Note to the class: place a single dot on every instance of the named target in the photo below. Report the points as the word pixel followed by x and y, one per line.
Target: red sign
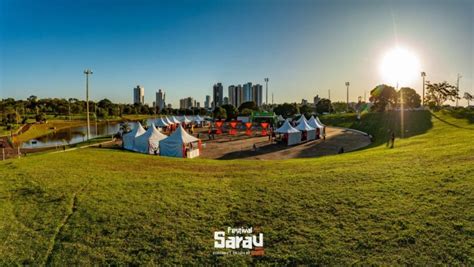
pixel 219 124
pixel 233 124
pixel 264 125
pixel 248 132
pixel 248 125
pixel 264 132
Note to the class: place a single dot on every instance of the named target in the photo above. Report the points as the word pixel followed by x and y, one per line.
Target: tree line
pixel 19 111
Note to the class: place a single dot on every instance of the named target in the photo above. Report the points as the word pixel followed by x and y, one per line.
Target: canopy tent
pixel 185 120
pixel 317 119
pixel 128 139
pixel 309 133
pixel 292 135
pixel 315 124
pixel 167 121
pixel 161 123
pixel 198 119
pixel 174 120
pixel 324 126
pixel 179 144
pixel 302 118
pixel 280 118
pixel 148 142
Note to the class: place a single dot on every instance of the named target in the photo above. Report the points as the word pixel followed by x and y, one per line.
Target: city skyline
pixel 46 47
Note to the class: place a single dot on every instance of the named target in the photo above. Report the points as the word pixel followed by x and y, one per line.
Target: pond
pixel 76 134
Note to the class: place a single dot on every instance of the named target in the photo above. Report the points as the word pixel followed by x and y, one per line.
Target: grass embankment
pixel 37 130
pixel 40 129
pixel 407 205
pixel 379 125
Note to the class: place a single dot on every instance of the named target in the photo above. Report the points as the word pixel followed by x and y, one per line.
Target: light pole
pixel 423 75
pixel 457 88
pixel 266 91
pixel 88 72
pixel 347 96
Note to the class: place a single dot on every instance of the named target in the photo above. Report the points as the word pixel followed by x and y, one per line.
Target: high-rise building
pixel 207 102
pixel 235 95
pixel 139 95
pixel 217 92
pixel 304 102
pixel 198 104
pixel 316 100
pixel 247 92
pixel 231 94
pixel 186 103
pixel 160 99
pixel 257 94
pixel 239 94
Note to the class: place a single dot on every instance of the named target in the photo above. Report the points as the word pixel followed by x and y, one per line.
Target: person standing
pixel 392 139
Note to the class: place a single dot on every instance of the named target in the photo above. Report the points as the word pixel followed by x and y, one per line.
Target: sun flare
pixel 399 67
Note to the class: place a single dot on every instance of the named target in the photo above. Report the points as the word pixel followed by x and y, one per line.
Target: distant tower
pixel 266 91
pixel 218 91
pixel 347 95
pixel 139 95
pixel 207 102
pixel 160 99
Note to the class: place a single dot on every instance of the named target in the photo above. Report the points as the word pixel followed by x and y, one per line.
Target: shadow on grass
pixel 262 149
pixel 451 124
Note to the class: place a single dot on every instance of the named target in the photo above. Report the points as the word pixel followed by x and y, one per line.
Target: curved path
pixel 242 148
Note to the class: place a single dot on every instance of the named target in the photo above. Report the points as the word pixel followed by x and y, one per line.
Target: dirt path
pixel 241 148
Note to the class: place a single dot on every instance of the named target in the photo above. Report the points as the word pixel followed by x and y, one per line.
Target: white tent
pixel 302 118
pixel 324 126
pixel 317 119
pixel 128 139
pixel 168 121
pixel 292 135
pixel 161 123
pixel 174 120
pixel 198 119
pixel 280 118
pixel 148 142
pixel 185 120
pixel 178 143
pixel 310 131
pixel 315 124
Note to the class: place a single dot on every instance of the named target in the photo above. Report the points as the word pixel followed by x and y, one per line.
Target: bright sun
pixel 399 67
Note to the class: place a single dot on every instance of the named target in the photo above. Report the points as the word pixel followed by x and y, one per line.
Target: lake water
pixel 77 134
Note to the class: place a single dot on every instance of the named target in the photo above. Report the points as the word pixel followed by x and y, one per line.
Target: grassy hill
pixel 407 205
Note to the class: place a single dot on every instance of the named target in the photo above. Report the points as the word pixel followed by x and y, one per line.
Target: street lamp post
pixel 347 96
pixel 87 72
pixel 423 75
pixel 266 91
pixel 457 88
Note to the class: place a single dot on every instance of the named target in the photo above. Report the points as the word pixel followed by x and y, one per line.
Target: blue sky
pixel 184 47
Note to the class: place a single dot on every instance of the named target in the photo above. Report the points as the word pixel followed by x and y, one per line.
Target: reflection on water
pixel 76 134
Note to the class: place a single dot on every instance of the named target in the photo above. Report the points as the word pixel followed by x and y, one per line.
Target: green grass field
pixel 409 205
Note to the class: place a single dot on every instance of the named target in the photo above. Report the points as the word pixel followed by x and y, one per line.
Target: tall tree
pixel 250 105
pixel 306 110
pixel 438 93
pixel 409 97
pixel 286 110
pixel 323 105
pixel 231 111
pixel 382 96
pixel 219 113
